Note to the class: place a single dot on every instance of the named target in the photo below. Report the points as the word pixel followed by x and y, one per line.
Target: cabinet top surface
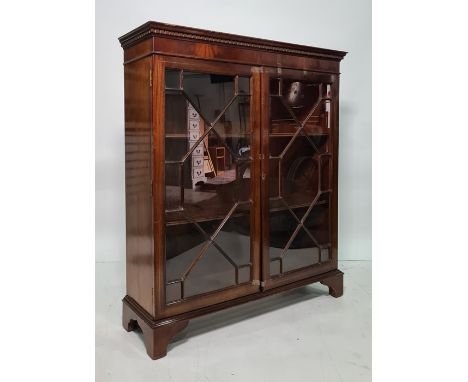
pixel 156 29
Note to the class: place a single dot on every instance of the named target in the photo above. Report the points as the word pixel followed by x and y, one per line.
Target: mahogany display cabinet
pixel 231 170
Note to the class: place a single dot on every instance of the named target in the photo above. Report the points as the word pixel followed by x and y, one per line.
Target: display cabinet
pixel 231 168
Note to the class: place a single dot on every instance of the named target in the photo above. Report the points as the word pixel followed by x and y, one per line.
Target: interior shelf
pixel 185 136
pixel 281 207
pixel 175 217
pixel 290 134
pixel 177 135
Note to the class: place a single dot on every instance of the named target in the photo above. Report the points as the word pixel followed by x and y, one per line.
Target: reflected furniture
pixel 231 170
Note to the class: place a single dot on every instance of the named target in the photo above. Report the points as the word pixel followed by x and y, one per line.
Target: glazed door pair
pixel 247 181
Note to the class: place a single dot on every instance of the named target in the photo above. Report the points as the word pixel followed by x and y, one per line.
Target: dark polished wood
pixel 138 165
pixel 164 39
pixel 155 337
pixel 334 284
pixel 158 150
pixel 204 237
pixel 158 333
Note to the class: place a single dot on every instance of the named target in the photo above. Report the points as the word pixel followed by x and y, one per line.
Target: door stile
pixel 264 183
pixel 256 186
pixel 335 89
pixel 158 183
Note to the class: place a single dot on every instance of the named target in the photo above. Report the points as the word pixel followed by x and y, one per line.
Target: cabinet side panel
pixel 139 216
pixel 334 201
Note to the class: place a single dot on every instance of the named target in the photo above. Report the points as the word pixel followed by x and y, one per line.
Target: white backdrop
pixel 335 24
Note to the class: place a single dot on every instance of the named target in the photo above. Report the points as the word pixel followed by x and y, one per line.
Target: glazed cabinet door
pixel 209 228
pixel 299 195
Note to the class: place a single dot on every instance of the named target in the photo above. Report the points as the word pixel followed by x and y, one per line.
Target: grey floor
pixel 298 335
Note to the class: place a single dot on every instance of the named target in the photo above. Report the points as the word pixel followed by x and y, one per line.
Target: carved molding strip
pixel 191 36
pixel 125 43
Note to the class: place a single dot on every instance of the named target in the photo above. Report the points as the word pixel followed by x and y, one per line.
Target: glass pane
pixel 207 177
pixel 172 79
pixel 317 222
pixel 294 175
pixel 282 225
pixel 300 97
pixel 183 243
pixel 173 189
pixel 298 247
pixel 299 175
pixel 244 85
pixel 212 272
pixel 175 115
pixel 195 266
pixel 207 174
pixel 209 93
pixel 275 84
pixel 310 242
pixel 282 120
pixel 301 253
pixel 295 103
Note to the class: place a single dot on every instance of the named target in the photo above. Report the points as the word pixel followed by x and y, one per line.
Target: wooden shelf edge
pixel 221 217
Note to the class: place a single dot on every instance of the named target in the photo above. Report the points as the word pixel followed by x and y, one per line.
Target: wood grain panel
pixel 165 39
pixel 139 218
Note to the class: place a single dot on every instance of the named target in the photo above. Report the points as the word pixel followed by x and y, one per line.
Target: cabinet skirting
pixel 158 333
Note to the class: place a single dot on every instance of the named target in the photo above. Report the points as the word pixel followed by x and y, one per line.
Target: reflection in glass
pixel 300 98
pixel 173 79
pixel 209 93
pixel 295 245
pixel 207 177
pixel 299 176
pixel 196 265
